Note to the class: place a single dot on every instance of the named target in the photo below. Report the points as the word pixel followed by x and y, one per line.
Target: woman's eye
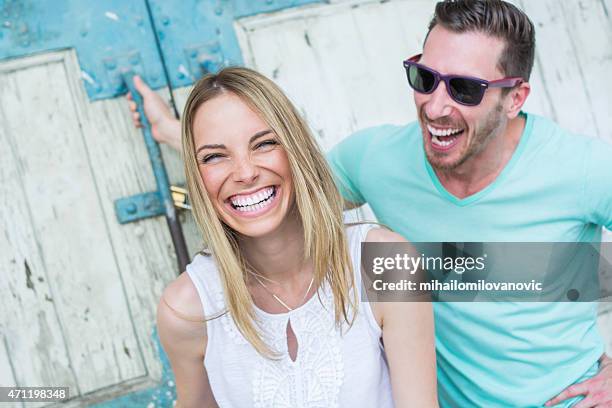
pixel 209 158
pixel 266 143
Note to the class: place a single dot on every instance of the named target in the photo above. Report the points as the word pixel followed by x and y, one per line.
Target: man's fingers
pixel 137 83
pixel 133 106
pixel 570 392
pixel 587 402
pixel 136 118
pixel 596 399
pixel 141 86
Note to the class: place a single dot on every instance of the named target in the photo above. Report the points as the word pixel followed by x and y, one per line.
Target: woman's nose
pixel 245 171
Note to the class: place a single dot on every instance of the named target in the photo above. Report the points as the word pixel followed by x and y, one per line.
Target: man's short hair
pixel 496 18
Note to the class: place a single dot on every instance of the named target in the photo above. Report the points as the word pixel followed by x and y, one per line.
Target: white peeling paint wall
pixel 341 64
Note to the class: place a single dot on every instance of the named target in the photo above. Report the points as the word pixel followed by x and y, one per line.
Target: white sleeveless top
pixel 331 369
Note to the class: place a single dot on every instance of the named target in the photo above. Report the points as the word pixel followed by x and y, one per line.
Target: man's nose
pixel 439 103
pixel 245 170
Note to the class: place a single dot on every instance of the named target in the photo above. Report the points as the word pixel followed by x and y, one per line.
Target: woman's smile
pixel 256 203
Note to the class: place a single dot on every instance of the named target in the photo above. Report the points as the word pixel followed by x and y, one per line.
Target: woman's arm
pixel 408 337
pixel 183 336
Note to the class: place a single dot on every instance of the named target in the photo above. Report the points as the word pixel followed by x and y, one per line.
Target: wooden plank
pixel 539 101
pixel 556 60
pixel 606 6
pixel 591 37
pixel 144 251
pixel 32 332
pixel 7 372
pixel 68 223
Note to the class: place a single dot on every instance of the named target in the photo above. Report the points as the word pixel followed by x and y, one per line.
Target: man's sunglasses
pixel 462 89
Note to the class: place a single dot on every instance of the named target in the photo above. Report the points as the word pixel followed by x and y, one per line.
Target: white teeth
pixel 439 142
pixel 442 132
pixel 253 202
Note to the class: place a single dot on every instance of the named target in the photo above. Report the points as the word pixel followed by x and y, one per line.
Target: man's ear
pixel 516 99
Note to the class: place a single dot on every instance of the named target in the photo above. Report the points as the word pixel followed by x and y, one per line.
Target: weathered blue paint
pixel 162 396
pixel 245 8
pixel 138 207
pixel 195 36
pixel 107 35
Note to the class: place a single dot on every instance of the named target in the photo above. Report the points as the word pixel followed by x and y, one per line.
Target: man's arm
pixel 165 128
pixel 346 161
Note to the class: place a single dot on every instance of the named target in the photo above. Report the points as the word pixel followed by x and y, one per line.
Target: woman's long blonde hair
pixel 318 201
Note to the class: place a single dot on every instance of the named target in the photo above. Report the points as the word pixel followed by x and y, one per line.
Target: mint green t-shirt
pixel 557 187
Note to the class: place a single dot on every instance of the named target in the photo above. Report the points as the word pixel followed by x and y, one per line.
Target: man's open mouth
pixel 444 139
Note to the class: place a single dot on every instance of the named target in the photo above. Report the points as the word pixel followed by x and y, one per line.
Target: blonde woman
pixel 270 315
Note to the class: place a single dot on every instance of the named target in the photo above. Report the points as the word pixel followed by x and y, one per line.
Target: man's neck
pixel 479 171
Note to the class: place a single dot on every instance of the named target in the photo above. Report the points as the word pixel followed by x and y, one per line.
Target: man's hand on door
pixel 165 128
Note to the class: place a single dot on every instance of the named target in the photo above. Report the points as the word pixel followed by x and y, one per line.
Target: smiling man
pixel 474 167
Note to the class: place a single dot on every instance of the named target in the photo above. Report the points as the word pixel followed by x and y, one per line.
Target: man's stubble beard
pixel 482 136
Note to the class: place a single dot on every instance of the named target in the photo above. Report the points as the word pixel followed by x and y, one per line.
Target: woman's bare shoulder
pixel 182 333
pixel 381 234
pixel 180 314
pixel 182 295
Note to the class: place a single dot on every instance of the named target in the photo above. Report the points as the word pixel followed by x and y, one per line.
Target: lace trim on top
pixel 315 378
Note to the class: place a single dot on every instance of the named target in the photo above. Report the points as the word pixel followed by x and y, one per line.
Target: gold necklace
pixel 279 300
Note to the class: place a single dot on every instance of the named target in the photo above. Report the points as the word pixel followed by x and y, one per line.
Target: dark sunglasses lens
pixel 466 91
pixel 421 80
